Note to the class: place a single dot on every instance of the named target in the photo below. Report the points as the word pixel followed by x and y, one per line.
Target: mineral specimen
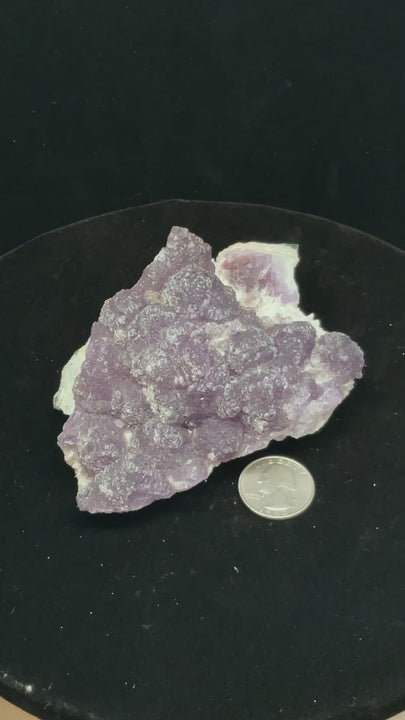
pixel 196 364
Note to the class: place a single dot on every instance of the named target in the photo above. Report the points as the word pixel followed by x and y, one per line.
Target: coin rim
pixel 277 517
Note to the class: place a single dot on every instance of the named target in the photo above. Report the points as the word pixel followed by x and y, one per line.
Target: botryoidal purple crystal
pixel 196 364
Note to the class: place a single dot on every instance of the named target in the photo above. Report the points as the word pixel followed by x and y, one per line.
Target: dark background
pixel 195 608
pixel 295 103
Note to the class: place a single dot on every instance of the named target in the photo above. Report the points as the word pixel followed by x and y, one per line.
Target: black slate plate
pixel 195 608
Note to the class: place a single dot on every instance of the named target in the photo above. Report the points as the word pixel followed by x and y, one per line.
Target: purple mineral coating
pixel 179 377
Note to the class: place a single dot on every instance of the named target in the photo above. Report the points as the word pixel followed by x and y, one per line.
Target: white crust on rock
pixel 64 399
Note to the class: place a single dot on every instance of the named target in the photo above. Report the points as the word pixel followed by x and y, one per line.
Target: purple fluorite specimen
pixel 180 376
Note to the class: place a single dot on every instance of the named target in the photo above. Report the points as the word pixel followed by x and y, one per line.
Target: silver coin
pixel 276 487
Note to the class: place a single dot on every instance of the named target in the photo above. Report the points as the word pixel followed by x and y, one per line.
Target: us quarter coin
pixel 276 487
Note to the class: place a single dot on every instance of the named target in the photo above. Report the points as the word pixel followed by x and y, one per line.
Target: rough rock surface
pixel 181 374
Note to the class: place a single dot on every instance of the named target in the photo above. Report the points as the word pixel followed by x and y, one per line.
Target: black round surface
pixel 195 608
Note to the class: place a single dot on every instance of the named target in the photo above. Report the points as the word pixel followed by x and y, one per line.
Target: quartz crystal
pixel 198 363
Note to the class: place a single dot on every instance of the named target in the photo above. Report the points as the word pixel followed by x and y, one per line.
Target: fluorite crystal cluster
pixel 198 363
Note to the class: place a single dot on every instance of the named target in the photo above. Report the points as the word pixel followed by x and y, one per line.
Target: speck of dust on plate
pixel 276 487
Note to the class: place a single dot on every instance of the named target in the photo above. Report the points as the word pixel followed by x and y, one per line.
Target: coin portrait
pixel 276 487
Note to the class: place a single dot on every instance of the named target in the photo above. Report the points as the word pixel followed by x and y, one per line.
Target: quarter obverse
pixel 276 487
